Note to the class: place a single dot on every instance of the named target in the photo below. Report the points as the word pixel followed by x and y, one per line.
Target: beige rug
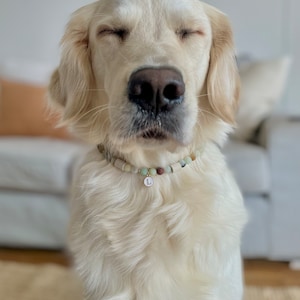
pixel 51 282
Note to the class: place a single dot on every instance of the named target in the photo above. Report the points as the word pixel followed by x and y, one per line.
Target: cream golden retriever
pixel 156 215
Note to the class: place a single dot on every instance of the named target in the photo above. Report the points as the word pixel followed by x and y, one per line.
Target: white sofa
pixel 35 174
pixel 268 174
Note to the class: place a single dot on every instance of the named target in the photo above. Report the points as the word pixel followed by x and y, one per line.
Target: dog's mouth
pixel 155 134
pixel 163 128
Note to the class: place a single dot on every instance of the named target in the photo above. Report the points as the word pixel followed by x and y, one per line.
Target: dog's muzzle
pixel 156 90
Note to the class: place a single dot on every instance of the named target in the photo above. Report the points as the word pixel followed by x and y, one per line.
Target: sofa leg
pixel 295 265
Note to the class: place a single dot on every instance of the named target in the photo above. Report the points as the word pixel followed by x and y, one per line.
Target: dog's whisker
pixel 97 109
pixel 123 56
pixel 95 90
pixel 98 15
pixel 88 90
pixel 94 121
pixel 203 95
pixel 204 111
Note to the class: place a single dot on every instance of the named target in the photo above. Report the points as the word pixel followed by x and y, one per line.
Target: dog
pixel 155 212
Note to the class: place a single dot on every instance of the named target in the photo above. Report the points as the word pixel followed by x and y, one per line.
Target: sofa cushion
pixel 256 236
pixel 249 163
pixel 33 220
pixel 37 164
pixel 23 111
pixel 262 85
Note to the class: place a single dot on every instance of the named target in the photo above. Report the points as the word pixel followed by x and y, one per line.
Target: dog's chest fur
pixel 168 235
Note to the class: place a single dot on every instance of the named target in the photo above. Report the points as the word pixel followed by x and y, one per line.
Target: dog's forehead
pixel 123 9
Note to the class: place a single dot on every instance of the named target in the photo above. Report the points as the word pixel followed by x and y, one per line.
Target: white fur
pixel 180 239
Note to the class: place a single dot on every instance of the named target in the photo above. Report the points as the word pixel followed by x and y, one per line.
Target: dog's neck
pixel 149 171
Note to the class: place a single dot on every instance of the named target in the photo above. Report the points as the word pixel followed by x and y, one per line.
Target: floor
pixel 257 272
pixel 266 273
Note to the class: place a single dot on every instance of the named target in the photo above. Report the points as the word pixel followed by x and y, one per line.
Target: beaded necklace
pixel 148 173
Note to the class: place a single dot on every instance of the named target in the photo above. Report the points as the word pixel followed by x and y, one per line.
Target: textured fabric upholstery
pixel 36 164
pixel 34 209
pixel 33 220
pixel 256 240
pixel 282 141
pixel 249 163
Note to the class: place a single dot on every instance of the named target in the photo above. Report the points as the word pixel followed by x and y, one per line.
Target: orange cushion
pixel 23 111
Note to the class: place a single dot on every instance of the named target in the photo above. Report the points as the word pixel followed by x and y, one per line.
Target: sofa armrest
pixel 272 127
pixel 281 138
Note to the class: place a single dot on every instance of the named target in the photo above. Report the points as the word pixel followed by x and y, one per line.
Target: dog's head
pixel 147 72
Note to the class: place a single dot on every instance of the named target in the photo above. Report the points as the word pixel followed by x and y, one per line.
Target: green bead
pixel 144 171
pixel 168 169
pixel 152 172
pixel 188 160
pixel 182 163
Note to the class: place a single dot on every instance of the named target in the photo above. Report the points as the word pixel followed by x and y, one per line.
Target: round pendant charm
pixel 148 182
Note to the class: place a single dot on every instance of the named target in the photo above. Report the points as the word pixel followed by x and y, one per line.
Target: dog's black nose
pixel 156 89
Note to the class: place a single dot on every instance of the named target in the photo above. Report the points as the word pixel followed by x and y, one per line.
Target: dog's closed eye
pixel 185 33
pixel 118 32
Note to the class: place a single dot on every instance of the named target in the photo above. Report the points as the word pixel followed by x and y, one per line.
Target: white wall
pixel 268 29
pixel 293 29
pixel 255 33
pixel 31 30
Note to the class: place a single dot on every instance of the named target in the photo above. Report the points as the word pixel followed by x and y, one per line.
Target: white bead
pixel 120 164
pixel 134 170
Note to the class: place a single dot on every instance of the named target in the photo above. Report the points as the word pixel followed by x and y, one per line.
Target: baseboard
pixel 295 265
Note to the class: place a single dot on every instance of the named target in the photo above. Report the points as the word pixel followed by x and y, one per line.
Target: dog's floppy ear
pixel 70 83
pixel 222 79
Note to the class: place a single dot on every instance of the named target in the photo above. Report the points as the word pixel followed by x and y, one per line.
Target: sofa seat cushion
pixel 37 164
pixel 256 236
pixel 249 163
pixel 33 220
